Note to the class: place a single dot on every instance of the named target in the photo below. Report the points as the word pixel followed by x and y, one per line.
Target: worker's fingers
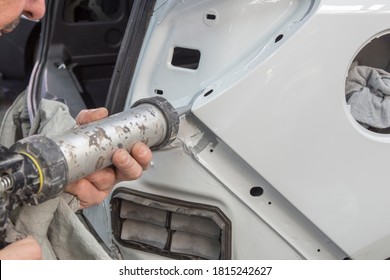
pixel 25 249
pixel 103 179
pixel 142 154
pixel 127 168
pixel 130 167
pixel 94 188
pixel 87 116
pixel 88 193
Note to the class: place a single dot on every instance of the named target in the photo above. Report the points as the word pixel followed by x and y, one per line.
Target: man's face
pixel 12 10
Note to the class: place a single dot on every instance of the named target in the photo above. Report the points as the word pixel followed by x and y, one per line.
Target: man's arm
pixel 92 189
pixel 25 249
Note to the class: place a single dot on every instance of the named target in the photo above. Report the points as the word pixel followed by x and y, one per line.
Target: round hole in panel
pixel 256 191
pixel 367 87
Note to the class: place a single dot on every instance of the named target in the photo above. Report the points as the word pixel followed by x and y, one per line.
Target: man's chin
pixel 6 30
pixel 10 27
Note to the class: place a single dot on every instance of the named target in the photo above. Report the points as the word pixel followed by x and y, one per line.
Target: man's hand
pixel 25 249
pixel 94 188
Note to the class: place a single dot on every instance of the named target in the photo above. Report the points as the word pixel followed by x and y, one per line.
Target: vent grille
pixel 168 227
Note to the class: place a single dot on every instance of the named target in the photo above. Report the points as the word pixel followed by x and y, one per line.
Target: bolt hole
pixel 211 17
pixel 159 91
pixel 318 250
pixel 280 37
pixel 269 203
pixel 256 191
pixel 208 93
pixel 211 150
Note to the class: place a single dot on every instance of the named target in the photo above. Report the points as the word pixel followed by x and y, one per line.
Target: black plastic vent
pixel 168 227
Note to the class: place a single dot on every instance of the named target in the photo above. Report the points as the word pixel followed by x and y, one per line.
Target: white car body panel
pixel 277 118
